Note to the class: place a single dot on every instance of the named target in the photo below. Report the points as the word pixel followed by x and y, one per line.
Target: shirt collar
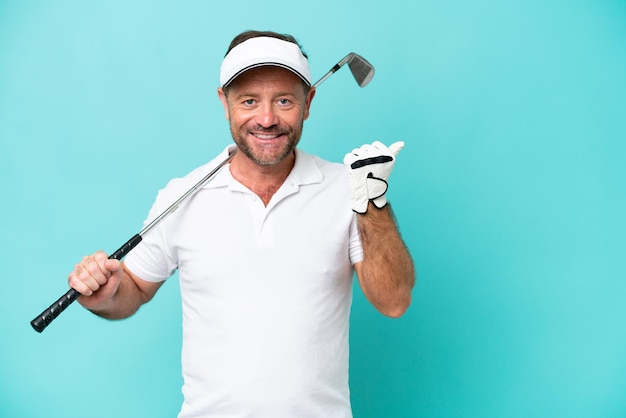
pixel 305 170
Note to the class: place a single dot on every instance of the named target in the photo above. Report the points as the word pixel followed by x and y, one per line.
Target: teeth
pixel 266 136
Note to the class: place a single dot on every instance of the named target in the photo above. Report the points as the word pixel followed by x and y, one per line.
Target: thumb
pixel 113 265
pixel 396 147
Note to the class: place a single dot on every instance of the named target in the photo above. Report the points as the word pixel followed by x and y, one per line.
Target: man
pixel 265 252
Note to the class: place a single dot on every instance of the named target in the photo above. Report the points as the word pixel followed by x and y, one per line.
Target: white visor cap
pixel 262 51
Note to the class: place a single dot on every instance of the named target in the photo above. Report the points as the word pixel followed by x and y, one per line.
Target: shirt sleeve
pixel 356 250
pixel 151 260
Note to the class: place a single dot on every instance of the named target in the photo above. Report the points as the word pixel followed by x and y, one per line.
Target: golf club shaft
pixel 333 70
pixel 53 311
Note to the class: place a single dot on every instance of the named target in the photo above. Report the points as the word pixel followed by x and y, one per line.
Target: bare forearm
pixel 387 274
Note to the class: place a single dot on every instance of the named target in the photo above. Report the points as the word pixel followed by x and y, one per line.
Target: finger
pixel 379 145
pixel 82 281
pixel 92 273
pixel 100 257
pixel 349 158
pixel 108 266
pixel 98 271
pixel 396 147
pixel 367 149
pixel 112 265
pixel 77 284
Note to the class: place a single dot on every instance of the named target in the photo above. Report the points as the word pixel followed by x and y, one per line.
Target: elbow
pixel 393 297
pixel 399 304
pixel 396 309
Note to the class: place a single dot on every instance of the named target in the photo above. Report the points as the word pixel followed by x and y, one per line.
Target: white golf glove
pixel 368 170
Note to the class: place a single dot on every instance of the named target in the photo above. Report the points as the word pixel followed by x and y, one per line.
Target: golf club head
pixel 361 69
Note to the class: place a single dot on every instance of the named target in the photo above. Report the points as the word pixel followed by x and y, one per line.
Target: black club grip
pixel 46 317
pixel 125 249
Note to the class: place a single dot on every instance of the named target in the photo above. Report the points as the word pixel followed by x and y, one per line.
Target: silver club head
pixel 361 69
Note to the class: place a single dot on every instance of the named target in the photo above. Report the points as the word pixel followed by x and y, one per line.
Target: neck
pixel 263 181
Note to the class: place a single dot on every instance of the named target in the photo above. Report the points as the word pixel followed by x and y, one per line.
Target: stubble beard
pixel 271 154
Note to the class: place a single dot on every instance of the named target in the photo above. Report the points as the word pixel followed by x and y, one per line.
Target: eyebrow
pixel 255 95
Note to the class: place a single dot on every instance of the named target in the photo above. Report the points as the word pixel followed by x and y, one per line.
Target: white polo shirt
pixel 266 291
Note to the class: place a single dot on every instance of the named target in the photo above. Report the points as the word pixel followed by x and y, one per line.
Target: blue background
pixel 510 193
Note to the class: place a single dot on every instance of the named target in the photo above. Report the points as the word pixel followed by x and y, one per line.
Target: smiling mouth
pixel 266 136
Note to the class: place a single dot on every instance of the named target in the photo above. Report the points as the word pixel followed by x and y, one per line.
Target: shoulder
pixel 328 169
pixel 322 176
pixel 179 185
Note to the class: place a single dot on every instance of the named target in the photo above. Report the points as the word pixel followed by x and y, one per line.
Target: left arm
pixel 386 274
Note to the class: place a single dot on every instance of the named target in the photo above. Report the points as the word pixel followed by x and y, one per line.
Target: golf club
pixel 362 71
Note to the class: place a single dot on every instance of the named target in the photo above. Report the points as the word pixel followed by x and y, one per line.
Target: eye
pixel 284 102
pixel 249 102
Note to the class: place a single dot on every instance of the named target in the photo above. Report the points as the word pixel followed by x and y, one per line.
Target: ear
pixel 308 100
pixel 224 100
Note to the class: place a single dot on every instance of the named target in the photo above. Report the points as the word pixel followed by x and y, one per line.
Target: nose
pixel 267 116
